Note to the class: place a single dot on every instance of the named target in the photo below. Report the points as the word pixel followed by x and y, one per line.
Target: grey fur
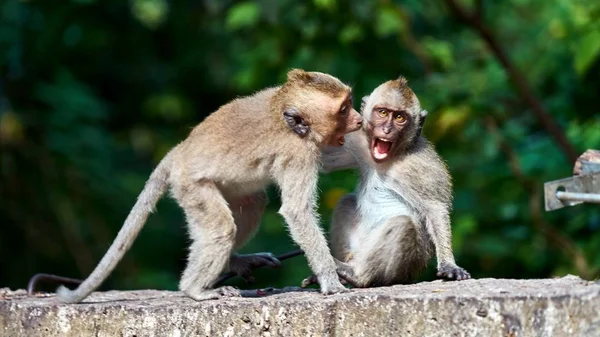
pixel 399 217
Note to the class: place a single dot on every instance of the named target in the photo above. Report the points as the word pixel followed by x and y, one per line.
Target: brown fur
pixel 388 231
pixel 219 173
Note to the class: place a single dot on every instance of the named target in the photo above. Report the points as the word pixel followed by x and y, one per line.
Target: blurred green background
pixel 93 94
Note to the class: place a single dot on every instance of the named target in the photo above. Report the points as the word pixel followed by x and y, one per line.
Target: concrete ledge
pixel 566 306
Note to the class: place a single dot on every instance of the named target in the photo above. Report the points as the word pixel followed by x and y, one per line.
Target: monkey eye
pixel 383 113
pixel 400 119
pixel 344 110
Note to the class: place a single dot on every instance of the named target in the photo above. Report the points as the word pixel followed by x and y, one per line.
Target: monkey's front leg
pixel 438 227
pixel 298 196
pixel 312 241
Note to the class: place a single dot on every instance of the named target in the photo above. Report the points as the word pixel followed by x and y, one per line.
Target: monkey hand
pixel 452 272
pixel 331 285
pixel 312 279
pixel 589 155
pixel 242 265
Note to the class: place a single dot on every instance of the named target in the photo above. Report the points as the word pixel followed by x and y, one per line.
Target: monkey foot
pixel 242 265
pixel 453 272
pixel 210 294
pixel 346 273
pixel 312 279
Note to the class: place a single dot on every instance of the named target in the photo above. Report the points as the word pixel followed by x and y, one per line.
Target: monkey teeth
pixel 381 148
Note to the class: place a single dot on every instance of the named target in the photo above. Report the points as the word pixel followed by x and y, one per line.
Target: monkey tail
pixel 154 189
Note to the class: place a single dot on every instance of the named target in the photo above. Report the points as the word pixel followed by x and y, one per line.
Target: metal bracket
pixel 575 190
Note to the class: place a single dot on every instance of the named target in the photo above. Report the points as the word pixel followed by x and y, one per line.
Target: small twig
pixel 413 44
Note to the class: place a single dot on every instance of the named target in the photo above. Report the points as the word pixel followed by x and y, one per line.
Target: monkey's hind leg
pixel 212 230
pixel 343 227
pixel 393 252
pixel 247 213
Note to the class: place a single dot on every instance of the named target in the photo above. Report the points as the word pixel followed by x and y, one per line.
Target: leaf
pixel 245 14
pixel 440 51
pixel 351 33
pixel 556 28
pixel 587 51
pixel 462 226
pixel 246 78
pixel 388 22
pixel 151 13
pixel 332 197
pixel 448 118
pixel 11 128
pixel 169 106
pixel 329 5
pixel 272 223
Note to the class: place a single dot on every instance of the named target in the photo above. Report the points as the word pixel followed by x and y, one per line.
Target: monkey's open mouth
pixel 380 148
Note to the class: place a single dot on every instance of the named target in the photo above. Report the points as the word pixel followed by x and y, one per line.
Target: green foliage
pixel 244 14
pixel 94 93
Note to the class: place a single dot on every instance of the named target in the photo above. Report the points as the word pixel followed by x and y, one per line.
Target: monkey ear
pixel 363 103
pixel 295 121
pixel 423 115
pixel 298 75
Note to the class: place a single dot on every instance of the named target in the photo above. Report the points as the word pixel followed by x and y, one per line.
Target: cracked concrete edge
pixel 566 306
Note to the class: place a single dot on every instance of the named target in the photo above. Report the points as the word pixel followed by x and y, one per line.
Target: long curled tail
pixel 154 189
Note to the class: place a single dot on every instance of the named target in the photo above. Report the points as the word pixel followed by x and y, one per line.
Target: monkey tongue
pixel 381 149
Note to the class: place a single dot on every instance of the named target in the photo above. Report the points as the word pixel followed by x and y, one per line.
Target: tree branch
pixel 413 44
pixel 479 9
pixel 517 78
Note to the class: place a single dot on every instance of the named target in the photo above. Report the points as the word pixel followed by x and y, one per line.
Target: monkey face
pixel 386 130
pixel 394 118
pixel 346 120
pixel 320 107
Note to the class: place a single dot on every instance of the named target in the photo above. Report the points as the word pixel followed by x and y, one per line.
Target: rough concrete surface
pixel 565 306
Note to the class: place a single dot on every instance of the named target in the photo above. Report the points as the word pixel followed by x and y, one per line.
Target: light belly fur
pixel 376 205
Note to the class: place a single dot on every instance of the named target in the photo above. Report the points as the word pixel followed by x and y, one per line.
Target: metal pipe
pixel 583 197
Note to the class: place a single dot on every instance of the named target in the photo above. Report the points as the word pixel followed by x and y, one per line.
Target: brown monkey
pixel 219 173
pixel 388 230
